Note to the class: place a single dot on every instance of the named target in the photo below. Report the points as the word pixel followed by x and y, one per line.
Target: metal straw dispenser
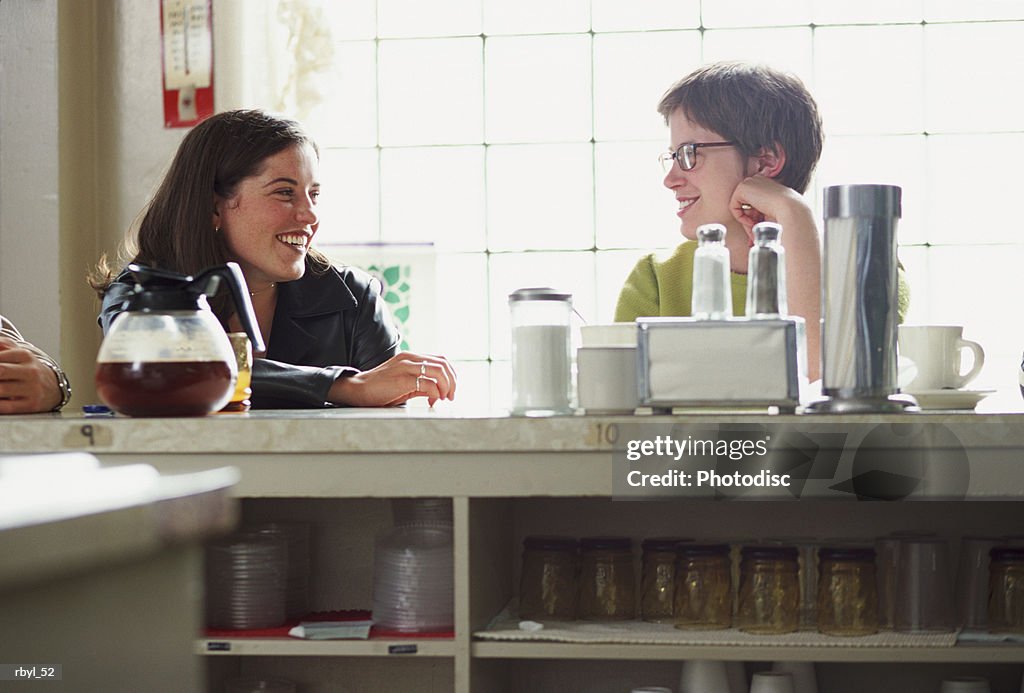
pixel 859 301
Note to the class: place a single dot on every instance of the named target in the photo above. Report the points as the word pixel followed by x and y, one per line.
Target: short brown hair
pixel 755 106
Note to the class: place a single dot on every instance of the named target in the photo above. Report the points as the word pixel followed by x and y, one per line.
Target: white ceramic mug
pixel 936 351
pixel 772 682
pixel 704 676
pixel 805 678
pixel 606 379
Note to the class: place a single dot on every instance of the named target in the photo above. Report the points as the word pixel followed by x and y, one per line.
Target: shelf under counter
pixel 294 647
pixel 1005 653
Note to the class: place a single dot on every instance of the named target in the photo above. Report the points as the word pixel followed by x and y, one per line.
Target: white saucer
pixel 950 399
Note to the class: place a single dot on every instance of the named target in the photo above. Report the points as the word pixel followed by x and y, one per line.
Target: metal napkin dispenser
pixel 683 362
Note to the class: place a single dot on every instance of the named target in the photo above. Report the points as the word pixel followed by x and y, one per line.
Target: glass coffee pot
pixel 167 354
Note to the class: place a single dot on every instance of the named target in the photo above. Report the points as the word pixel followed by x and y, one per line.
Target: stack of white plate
pixel 246 575
pixel 413 583
pixel 421 510
pixel 296 537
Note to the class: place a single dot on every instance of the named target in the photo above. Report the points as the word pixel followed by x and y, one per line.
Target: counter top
pixel 422 430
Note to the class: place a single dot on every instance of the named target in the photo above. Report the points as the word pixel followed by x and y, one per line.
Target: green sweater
pixel 663 287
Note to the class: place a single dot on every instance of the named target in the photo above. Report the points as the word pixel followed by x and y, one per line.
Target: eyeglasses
pixel 686 155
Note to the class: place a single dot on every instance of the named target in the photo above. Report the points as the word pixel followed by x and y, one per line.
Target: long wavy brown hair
pixel 176 231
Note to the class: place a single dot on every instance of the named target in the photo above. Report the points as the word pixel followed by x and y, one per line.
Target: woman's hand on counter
pixel 27 384
pixel 402 377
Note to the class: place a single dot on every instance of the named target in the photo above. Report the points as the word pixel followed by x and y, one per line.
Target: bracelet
pixel 62 382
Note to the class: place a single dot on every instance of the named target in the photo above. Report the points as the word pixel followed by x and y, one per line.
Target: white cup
pixel 611 334
pixel 606 379
pixel 965 684
pixel 772 682
pixel 805 679
pixel 936 351
pixel 737 675
pixel 704 676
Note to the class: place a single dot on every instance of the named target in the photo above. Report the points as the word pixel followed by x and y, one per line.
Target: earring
pixel 216 229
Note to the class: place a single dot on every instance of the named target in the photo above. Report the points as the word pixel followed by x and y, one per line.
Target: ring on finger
pixel 423 368
pixel 418 379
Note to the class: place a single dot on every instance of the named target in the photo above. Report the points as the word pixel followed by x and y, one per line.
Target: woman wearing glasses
pixel 744 142
pixel 243 187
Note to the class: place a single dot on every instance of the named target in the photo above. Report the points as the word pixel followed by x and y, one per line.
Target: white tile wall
pixel 976 10
pixel 431 91
pixel 616 15
pixel 787 49
pixel 868 11
pixel 634 209
pixel 352 79
pixel 539 88
pixel 974 184
pixel 971 68
pixel 891 159
pixel 415 18
pixel 540 196
pixel 631 73
pixel 869 79
pixel 434 194
pixel 535 16
pixel 737 13
pixel 349 204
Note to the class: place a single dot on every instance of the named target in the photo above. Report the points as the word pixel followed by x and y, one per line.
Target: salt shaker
pixel 712 290
pixel 541 352
pixel 766 290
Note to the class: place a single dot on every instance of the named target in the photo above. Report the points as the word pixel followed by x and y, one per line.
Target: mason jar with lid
pixel 703 596
pixel 607 586
pixel 847 594
pixel 657 581
pixel 541 351
pixel 769 594
pixel 1006 590
pixel 547 583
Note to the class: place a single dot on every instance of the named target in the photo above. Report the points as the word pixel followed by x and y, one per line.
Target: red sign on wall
pixel 186 32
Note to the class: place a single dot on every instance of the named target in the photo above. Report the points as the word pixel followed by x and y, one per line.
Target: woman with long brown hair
pixel 243 187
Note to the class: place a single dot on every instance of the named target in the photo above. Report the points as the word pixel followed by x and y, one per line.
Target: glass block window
pixel 520 139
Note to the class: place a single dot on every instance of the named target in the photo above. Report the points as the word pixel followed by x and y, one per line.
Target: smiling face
pixel 703 193
pixel 270 220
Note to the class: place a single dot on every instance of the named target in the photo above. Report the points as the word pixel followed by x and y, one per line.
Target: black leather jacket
pixel 326 326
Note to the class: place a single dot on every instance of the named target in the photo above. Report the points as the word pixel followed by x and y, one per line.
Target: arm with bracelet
pixel 30 381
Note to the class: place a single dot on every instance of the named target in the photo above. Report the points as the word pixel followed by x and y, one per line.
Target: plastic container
pixel 246 581
pixel 413 579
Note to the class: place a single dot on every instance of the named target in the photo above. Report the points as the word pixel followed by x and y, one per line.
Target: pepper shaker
pixel 766 290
